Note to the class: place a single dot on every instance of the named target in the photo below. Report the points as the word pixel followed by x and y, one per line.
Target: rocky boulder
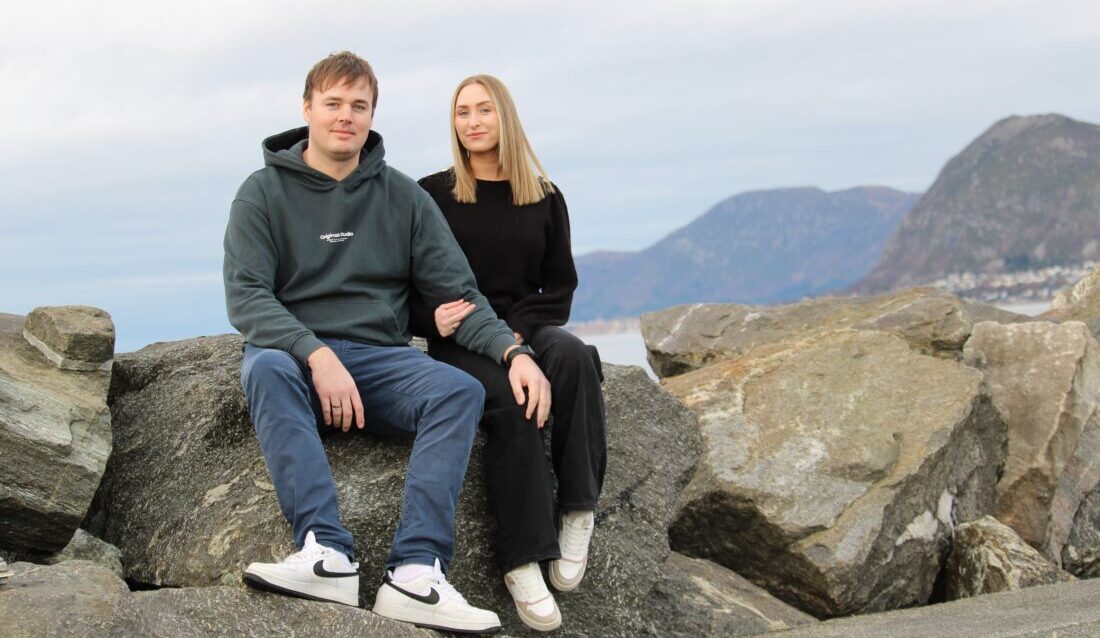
pixel 1079 302
pixel 700 598
pixel 685 338
pixel 79 598
pixel 187 498
pixel 1044 380
pixel 833 468
pixel 72 337
pixel 1081 552
pixel 84 546
pixel 989 557
pixel 55 428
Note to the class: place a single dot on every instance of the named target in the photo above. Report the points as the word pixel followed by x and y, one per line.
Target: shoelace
pixel 445 587
pixel 530 584
pixel 575 538
pixel 305 554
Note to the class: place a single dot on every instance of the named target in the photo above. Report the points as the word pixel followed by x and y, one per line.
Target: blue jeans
pixel 402 389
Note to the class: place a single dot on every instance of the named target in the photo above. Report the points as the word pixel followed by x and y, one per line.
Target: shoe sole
pixel 534 623
pixel 283 587
pixel 416 617
pixel 561 584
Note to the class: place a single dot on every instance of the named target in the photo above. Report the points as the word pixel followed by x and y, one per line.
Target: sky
pixel 129 126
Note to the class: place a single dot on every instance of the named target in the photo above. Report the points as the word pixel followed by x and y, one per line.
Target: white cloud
pixel 129 125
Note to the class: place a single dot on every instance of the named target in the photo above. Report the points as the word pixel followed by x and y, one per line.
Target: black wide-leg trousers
pixel 521 490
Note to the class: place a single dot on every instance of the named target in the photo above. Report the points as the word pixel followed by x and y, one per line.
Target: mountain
pixel 757 247
pixel 1022 196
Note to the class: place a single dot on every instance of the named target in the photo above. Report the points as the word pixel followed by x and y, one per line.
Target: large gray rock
pixel 72 337
pixel 187 497
pixel 833 468
pixel 988 557
pixel 700 598
pixel 1081 552
pixel 685 338
pixel 84 546
pixel 1044 380
pixel 1079 302
pixel 1064 610
pixel 80 599
pixel 55 437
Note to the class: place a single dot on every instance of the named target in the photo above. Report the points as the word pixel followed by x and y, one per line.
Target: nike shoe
pixel 576 532
pixel 317 573
pixel 430 601
pixel 535 604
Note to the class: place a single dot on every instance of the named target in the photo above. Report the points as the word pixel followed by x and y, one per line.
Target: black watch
pixel 515 352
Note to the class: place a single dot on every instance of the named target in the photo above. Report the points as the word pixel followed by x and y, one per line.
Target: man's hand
pixel 525 373
pixel 340 402
pixel 449 316
pixel 518 337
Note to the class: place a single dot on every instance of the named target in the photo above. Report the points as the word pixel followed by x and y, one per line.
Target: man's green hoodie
pixel 307 256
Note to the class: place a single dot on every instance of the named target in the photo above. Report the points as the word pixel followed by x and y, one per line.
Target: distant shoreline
pixel 621 325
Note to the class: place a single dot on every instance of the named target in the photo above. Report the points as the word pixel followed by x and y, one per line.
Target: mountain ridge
pixel 760 246
pixel 1024 194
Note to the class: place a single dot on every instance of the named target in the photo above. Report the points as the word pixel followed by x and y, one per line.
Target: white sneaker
pixel 576 532
pixel 317 573
pixel 535 604
pixel 430 601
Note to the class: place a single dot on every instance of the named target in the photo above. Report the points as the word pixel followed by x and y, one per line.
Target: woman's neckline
pixel 492 182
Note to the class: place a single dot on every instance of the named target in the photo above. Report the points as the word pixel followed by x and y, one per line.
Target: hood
pixel 285 151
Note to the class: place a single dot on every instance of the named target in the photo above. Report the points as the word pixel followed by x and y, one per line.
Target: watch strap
pixel 515 352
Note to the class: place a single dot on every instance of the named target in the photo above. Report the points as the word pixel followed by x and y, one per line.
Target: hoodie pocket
pixel 364 320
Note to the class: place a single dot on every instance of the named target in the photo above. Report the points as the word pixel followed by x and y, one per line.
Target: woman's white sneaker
pixel 430 601
pixel 316 572
pixel 573 539
pixel 534 603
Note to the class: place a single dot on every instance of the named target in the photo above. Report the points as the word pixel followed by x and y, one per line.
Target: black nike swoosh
pixel 431 599
pixel 319 569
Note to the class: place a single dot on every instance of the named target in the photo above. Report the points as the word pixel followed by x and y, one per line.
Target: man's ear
pixel 306 110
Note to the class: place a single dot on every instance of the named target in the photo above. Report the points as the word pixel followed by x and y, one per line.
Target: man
pixel 322 248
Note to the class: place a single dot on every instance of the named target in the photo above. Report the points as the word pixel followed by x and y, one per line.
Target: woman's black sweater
pixel 520 255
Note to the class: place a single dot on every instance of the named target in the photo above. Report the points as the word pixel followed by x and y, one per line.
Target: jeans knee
pixel 468 390
pixel 265 367
pixel 458 395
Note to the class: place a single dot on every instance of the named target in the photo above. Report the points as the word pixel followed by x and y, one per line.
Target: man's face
pixel 339 120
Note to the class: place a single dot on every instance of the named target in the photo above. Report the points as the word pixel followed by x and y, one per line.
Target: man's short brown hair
pixel 343 67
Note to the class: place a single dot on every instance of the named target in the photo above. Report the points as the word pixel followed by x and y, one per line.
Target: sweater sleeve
pixel 551 305
pixel 249 274
pixel 441 273
pixel 421 315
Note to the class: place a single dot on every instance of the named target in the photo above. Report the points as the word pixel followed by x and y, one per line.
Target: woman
pixel 514 228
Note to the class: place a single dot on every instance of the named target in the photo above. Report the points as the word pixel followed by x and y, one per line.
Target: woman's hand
pixel 449 316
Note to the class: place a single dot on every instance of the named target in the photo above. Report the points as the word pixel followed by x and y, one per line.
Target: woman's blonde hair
pixel 517 160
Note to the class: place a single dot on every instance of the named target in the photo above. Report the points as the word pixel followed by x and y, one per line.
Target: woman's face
pixel 476 121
